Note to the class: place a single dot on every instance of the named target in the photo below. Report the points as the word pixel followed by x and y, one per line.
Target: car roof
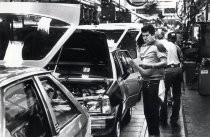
pixel 9 74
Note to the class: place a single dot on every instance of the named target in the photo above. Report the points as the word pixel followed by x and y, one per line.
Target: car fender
pixel 115 94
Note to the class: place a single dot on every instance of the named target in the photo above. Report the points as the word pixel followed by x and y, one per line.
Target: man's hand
pixel 133 64
pixel 140 64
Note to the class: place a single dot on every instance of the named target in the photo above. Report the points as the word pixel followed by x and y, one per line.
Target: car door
pixel 67 118
pixel 24 112
pixel 131 79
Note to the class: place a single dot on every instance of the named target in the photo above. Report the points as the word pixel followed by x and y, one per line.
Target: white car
pixel 32 102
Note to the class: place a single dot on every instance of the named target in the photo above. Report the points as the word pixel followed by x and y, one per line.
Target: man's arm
pixel 136 66
pixel 161 64
pixel 162 55
pixel 145 69
pixel 180 54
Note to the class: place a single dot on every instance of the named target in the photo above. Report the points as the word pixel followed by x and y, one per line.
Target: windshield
pixel 116 34
pixel 135 33
pixel 128 40
pixel 34 35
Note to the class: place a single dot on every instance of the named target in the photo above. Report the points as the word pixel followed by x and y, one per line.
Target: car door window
pixel 117 65
pixel 23 112
pixel 63 108
pixel 123 59
pixel 124 56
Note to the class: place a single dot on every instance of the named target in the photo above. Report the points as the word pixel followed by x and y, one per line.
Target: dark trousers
pixel 151 105
pixel 173 78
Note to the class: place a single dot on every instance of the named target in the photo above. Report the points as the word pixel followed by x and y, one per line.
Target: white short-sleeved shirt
pixel 172 54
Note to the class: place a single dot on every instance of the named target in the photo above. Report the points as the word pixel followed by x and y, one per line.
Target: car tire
pixel 128 116
pixel 117 129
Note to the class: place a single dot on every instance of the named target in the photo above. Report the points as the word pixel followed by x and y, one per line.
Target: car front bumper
pixel 102 125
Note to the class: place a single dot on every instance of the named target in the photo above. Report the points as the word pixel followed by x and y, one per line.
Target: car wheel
pixel 117 129
pixel 128 115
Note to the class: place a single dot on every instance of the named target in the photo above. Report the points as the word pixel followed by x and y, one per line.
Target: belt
pixel 151 82
pixel 173 66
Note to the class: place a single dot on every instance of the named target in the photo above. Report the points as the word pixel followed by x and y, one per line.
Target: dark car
pixel 99 78
pixel 34 103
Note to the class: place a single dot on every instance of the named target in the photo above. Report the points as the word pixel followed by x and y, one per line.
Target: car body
pixel 34 103
pixel 100 78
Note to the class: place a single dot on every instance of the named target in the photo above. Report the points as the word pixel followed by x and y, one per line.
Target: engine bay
pixel 86 89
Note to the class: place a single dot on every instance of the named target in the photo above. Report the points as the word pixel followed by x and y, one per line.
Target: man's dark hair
pixel 148 28
pixel 172 37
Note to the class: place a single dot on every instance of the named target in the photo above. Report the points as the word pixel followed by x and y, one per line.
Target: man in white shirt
pixel 173 77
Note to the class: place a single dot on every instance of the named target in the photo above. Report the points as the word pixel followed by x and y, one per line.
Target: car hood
pixel 32 33
pixel 84 55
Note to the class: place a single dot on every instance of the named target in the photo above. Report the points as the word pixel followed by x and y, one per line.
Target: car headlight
pixel 106 107
pixel 93 106
pixel 101 105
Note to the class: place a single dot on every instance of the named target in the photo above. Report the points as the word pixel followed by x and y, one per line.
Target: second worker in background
pixel 173 78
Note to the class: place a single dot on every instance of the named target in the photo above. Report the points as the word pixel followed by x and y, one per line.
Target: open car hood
pixel 32 33
pixel 85 55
